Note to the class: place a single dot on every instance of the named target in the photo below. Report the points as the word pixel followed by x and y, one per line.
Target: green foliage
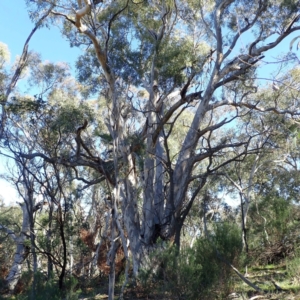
pixel 4 54
pixel 227 239
pixel 44 289
pixel 175 56
pixel 278 214
pixel 24 105
pixel 290 5
pixel 48 289
pixel 70 117
pixel 293 268
pixel 274 233
pixel 197 272
pixel 88 73
pixel 282 213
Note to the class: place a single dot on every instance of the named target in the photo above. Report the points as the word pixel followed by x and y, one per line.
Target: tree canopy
pixel 171 105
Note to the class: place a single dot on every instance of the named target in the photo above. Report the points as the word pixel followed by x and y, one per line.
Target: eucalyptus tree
pixel 50 182
pixel 24 183
pixel 29 125
pixel 30 203
pixel 279 136
pixel 150 68
pixel 17 139
pixel 10 216
pixel 148 62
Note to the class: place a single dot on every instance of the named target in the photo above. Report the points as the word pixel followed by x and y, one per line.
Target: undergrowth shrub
pixel 274 232
pixel 48 289
pixel 197 272
pixel 293 269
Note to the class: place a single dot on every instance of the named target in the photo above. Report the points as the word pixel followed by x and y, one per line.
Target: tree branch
pixel 274 109
pixel 9 232
pixel 187 99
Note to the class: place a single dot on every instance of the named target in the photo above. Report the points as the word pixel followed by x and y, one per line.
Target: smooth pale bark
pixel 15 272
pixel 22 251
pixel 26 239
pixel 111 258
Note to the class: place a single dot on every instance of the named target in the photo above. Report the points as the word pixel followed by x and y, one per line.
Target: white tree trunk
pixel 22 251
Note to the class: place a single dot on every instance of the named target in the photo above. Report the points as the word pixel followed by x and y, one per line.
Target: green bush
pixel 48 289
pixel 273 235
pixel 197 272
pixel 224 244
pixel 293 269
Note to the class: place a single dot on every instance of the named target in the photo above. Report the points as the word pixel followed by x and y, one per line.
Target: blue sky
pixel 15 26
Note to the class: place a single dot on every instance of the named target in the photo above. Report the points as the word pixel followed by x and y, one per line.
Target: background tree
pixel 146 68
